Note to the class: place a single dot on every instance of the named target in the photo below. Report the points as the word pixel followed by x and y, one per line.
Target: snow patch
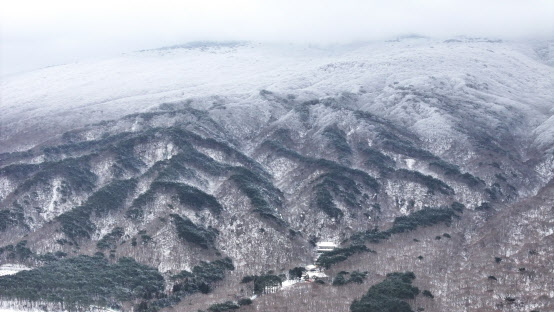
pixel 10 269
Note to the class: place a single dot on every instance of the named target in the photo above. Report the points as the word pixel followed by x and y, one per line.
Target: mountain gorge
pixel 195 166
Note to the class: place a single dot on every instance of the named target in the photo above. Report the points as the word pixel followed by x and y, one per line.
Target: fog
pixel 41 33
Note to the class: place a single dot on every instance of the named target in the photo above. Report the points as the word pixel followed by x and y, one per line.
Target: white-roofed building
pixel 325 247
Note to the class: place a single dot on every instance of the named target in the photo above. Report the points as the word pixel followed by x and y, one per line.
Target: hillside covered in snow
pixel 213 169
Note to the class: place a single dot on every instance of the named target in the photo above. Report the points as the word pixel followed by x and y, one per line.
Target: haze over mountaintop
pixel 234 159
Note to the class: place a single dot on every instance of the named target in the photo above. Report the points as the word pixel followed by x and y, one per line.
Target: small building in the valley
pixel 313 273
pixel 325 247
pixel 312 268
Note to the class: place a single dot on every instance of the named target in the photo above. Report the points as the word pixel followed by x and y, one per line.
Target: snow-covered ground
pixel 507 78
pixel 21 310
pixel 9 269
pixel 14 306
pixel 40 309
pixel 288 283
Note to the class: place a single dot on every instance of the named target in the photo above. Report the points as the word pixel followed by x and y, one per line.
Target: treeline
pixel 425 217
pixel 200 280
pixel 262 282
pixel 84 281
pixel 228 305
pixel 344 278
pixel 196 234
pixel 76 223
pixel 327 259
pixel 389 295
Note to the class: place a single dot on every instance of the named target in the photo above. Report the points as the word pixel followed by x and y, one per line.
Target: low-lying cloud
pixel 42 33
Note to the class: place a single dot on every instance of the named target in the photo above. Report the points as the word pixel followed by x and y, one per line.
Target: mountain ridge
pixel 275 148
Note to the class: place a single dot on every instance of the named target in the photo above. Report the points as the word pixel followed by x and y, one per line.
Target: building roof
pixel 326 244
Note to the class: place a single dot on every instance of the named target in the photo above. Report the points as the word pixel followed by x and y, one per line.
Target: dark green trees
pixel 389 295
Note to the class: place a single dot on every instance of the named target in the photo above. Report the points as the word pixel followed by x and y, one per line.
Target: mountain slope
pixel 256 151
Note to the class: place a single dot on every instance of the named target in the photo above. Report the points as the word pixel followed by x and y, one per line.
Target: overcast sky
pixel 39 33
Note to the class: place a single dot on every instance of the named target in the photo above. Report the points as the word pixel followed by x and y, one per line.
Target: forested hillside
pixel 151 182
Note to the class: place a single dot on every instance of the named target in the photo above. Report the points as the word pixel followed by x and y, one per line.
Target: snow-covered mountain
pixel 257 151
pixel 504 79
